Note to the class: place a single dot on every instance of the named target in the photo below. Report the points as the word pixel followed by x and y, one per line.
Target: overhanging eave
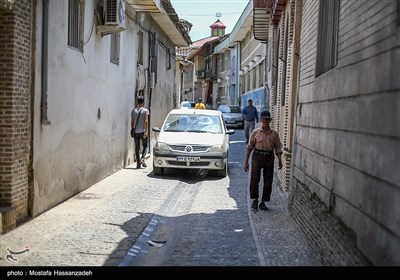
pixel 148 6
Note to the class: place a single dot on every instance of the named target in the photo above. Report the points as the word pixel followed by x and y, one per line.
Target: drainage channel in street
pixel 159 238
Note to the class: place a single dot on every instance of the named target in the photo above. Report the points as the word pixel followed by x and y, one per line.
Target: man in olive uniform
pixel 265 144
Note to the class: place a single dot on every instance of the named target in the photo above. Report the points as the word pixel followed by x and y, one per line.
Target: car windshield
pixel 235 109
pixel 192 123
pixel 189 105
pixel 229 109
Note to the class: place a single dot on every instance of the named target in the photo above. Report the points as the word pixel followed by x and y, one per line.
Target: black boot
pixel 255 204
pixel 262 206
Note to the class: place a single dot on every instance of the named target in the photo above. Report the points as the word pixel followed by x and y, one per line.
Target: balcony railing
pixel 182 52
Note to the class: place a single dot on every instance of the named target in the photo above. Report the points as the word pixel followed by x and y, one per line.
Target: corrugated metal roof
pixel 261 19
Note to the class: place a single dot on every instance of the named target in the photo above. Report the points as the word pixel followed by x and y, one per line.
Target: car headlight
pixel 217 148
pixel 161 146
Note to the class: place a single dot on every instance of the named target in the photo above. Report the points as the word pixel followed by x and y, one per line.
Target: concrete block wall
pixel 347 142
pixel 15 96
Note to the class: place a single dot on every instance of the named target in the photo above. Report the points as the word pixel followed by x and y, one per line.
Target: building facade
pixel 71 72
pixel 345 184
pixel 283 45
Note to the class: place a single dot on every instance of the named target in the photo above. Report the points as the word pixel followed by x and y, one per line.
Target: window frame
pixel 140 47
pixel 76 12
pixel 115 45
pixel 328 36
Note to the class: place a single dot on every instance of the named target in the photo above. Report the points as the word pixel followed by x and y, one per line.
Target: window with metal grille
pixel 261 74
pixel 254 74
pixel 328 31
pixel 140 47
pixel 248 81
pixel 169 59
pixel 153 55
pixel 214 65
pixel 75 24
pixel 398 13
pixel 114 47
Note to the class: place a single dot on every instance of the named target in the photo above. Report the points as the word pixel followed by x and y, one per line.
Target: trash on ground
pixel 156 243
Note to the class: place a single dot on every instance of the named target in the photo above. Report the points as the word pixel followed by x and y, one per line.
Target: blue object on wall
pixel 258 96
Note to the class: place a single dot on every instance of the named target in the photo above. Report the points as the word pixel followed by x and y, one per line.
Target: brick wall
pixel 332 242
pixel 284 173
pixel 6 66
pixel 15 81
pixel 281 87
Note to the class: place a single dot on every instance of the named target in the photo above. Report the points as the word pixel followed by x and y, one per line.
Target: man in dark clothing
pixel 264 142
pixel 250 116
pixel 139 121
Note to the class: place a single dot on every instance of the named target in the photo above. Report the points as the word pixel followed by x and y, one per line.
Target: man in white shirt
pixel 139 124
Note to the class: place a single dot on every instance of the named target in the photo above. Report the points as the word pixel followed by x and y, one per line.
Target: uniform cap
pixel 265 115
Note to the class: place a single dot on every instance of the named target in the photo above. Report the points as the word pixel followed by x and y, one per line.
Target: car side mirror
pixel 155 129
pixel 230 131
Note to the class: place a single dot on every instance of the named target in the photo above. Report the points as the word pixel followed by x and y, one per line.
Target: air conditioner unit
pixel 114 12
pixel 113 17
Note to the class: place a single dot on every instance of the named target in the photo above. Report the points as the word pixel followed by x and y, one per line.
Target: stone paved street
pixel 204 221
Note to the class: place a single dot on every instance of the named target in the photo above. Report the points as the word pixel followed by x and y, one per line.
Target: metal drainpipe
pixel 32 110
pixel 45 40
pixel 150 91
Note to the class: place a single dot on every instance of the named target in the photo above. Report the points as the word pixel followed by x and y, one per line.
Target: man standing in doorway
pixel 250 116
pixel 139 122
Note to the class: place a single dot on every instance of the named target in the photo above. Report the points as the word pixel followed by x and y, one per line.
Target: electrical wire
pixel 204 15
pixel 160 43
pixel 91 31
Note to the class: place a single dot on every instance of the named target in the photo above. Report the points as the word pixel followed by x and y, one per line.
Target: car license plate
pixel 188 159
pixel 230 121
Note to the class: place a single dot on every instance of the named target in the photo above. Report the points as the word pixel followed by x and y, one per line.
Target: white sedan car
pixel 195 139
pixel 232 115
pixel 188 105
